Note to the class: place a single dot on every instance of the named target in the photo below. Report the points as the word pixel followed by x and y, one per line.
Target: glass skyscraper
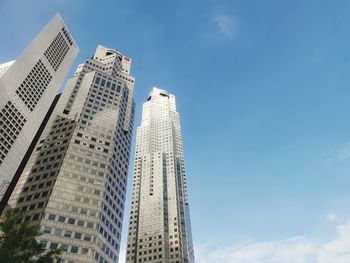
pixel 75 181
pixel 159 223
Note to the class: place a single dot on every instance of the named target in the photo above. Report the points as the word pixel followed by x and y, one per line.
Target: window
pixel 43 243
pixel 64 247
pixel 68 233
pixel 53 245
pixel 52 217
pixel 36 217
pixel 61 219
pixel 58 232
pixel 47 230
pixel 77 236
pixel 71 221
pixel 74 249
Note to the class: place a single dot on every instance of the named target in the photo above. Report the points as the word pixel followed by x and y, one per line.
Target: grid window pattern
pixel 85 218
pixel 66 34
pixel 44 170
pixel 56 52
pixel 11 123
pixel 34 85
pixel 159 221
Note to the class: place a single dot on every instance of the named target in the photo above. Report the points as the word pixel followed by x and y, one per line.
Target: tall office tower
pixel 159 226
pixel 75 181
pixel 27 89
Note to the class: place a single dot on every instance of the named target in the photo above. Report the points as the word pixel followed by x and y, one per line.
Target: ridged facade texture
pixel 159 223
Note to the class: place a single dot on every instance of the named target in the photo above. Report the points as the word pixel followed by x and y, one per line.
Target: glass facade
pixel 159 223
pixel 75 181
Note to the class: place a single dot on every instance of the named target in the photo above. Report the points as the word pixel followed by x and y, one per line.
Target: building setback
pixel 159 223
pixel 75 181
pixel 27 89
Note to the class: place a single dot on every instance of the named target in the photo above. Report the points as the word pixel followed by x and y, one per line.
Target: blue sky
pixel 263 88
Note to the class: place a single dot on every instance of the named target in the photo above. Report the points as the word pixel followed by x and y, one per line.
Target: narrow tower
pixel 159 226
pixel 75 181
pixel 28 87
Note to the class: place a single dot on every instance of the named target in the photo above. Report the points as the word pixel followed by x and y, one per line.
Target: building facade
pixel 74 183
pixel 27 89
pixel 159 223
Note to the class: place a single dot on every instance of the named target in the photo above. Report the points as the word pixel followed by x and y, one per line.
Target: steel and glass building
pixel 159 223
pixel 28 87
pixel 75 181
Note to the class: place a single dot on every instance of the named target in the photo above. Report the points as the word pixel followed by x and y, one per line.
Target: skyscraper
pixel 75 181
pixel 159 224
pixel 27 88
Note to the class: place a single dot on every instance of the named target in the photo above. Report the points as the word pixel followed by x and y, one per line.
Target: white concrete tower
pixel 159 223
pixel 28 86
pixel 75 181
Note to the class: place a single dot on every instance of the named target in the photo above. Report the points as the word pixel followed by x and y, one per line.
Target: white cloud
pixel 337 250
pixel 331 217
pixel 225 24
pixel 291 250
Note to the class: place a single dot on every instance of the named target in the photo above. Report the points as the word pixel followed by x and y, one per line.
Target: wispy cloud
pixel 225 24
pixel 340 155
pixel 300 249
pixel 338 159
pixel 292 250
pixel 331 217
